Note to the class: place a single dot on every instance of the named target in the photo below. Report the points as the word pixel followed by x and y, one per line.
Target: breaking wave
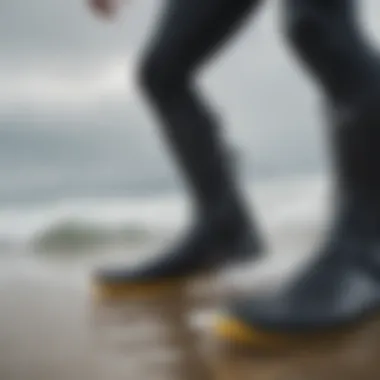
pixel 75 225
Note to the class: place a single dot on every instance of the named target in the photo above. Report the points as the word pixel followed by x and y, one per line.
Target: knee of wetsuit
pixel 304 22
pixel 161 79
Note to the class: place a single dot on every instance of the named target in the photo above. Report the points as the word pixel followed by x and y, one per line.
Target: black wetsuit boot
pixel 341 287
pixel 222 230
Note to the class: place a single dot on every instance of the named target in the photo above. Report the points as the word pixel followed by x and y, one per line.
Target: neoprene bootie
pixel 213 241
pixel 222 231
pixel 341 287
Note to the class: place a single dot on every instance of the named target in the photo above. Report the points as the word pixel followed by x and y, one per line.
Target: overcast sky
pixel 66 80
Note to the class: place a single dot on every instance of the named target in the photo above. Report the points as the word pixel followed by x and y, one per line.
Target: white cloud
pixel 52 86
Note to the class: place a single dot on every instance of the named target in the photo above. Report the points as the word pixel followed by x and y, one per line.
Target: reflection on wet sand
pixel 351 357
pixel 50 329
pixel 150 339
pixel 157 339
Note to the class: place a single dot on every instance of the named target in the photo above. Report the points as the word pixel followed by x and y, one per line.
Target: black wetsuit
pixel 322 33
pixel 342 285
pixel 188 34
pixel 344 282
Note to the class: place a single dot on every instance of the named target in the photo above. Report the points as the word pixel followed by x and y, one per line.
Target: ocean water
pixel 74 226
pixel 83 168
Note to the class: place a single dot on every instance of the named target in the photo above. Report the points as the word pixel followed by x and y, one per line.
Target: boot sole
pixel 233 331
pixel 111 291
pixel 114 292
pixel 237 333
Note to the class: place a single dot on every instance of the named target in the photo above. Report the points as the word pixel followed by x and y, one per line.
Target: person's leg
pixel 326 37
pixel 342 285
pixel 190 32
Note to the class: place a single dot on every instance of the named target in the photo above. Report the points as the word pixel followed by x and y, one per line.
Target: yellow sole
pixel 114 292
pixel 233 331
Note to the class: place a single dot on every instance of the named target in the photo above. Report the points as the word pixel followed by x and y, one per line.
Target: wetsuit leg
pixel 188 35
pixel 326 36
pixel 341 286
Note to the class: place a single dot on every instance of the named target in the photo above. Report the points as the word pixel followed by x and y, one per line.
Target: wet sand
pixel 50 330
